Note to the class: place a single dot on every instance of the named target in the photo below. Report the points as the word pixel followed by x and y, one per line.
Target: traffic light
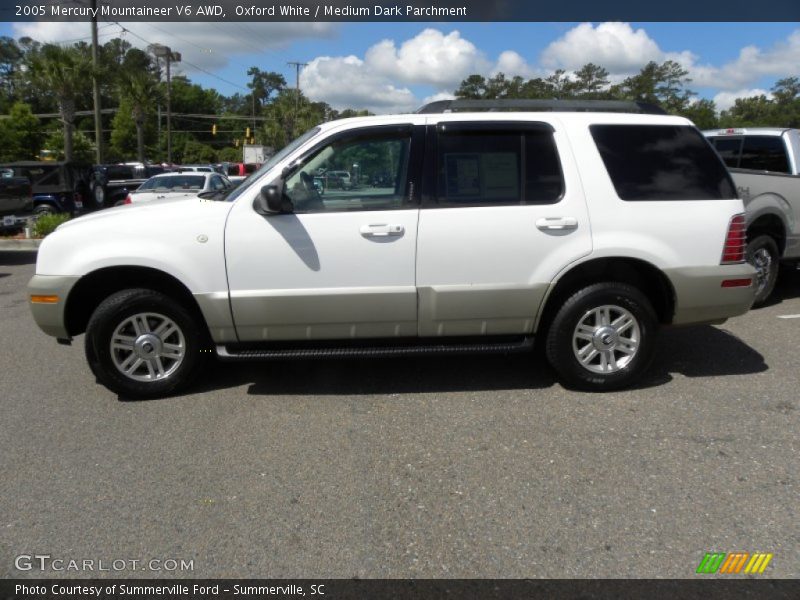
pixel 247 133
pixel 214 129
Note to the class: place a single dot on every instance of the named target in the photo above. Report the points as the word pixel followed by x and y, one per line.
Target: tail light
pixel 128 200
pixel 735 242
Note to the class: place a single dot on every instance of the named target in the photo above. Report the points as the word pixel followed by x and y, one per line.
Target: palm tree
pixel 141 90
pixel 66 73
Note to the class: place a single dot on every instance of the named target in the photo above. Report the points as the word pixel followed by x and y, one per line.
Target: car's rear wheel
pixel 602 338
pixel 143 344
pixel 44 209
pixel 762 252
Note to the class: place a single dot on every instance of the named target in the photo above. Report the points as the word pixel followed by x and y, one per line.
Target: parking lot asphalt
pixel 417 467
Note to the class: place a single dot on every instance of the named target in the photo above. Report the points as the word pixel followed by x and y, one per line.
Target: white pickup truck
pixel 587 230
pixel 765 166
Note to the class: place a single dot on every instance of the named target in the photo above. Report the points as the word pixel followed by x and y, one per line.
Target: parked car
pixel 179 184
pixel 338 180
pixel 765 166
pixel 238 172
pixel 56 186
pixel 110 185
pixel 199 168
pixel 15 200
pixel 586 230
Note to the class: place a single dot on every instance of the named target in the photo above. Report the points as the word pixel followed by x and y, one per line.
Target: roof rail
pixel 530 105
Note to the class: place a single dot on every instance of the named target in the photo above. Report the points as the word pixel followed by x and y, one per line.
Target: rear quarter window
pixel 662 162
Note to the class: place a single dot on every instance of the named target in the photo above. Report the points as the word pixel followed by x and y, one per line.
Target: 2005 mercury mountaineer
pixel 470 231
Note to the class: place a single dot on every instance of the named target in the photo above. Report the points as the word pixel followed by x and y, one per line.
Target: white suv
pixel 585 229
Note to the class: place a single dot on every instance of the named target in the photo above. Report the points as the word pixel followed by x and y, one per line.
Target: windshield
pixel 174 182
pixel 274 160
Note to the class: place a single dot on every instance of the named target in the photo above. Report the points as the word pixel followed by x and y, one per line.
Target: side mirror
pixel 271 201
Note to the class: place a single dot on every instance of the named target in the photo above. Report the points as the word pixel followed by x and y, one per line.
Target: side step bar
pixel 231 353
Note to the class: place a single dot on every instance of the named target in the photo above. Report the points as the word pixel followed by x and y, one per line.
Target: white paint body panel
pixel 161 235
pixel 484 270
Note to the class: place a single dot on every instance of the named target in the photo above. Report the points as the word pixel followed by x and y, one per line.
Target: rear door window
pixel 662 162
pixel 764 153
pixel 513 164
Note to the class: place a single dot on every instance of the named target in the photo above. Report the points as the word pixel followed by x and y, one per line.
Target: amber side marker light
pixel 729 283
pixel 36 299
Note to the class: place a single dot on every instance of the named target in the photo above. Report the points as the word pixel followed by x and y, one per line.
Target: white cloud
pixel 512 63
pixel 377 81
pixel 753 63
pixel 207 45
pixel 430 57
pixel 348 82
pixel 624 50
pixel 724 100
pixel 615 46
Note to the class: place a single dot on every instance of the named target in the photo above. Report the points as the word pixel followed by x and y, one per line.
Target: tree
pixel 10 60
pixel 82 146
pixel 195 152
pixel 702 113
pixel 590 81
pixel 472 88
pixel 66 73
pixel 264 84
pixel 786 94
pixel 230 154
pixel 663 84
pixel 139 91
pixel 749 112
pixel 21 134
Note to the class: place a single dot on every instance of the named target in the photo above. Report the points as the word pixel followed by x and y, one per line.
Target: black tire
pixel 762 252
pixel 97 189
pixel 44 209
pixel 563 344
pixel 113 313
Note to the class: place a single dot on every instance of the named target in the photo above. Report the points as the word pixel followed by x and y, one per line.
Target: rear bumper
pixel 49 316
pixel 700 297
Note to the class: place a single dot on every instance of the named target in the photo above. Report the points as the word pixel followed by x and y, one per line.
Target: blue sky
pixel 396 66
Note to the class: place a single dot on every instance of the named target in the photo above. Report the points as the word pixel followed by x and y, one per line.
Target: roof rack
pixel 530 105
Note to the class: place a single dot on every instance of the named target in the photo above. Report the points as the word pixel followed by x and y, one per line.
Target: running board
pixel 231 353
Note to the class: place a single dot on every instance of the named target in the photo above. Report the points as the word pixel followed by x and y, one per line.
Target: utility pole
pixel 98 121
pixel 254 112
pixel 297 66
pixel 166 52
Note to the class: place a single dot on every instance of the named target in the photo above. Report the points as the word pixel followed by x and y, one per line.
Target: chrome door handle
pixel 557 223
pixel 382 230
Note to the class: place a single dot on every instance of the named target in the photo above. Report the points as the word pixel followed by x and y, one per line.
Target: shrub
pixel 46 224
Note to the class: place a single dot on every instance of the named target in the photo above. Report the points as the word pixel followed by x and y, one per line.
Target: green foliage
pixel 230 154
pixel 123 131
pixel 195 152
pixel 21 134
pixel 66 73
pixel 82 150
pixel 263 85
pixel 139 94
pixel 46 224
pixel 702 113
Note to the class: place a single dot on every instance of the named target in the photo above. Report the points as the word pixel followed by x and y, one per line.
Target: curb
pixel 19 245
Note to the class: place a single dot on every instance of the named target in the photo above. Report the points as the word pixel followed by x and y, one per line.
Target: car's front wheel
pixel 602 337
pixel 143 344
